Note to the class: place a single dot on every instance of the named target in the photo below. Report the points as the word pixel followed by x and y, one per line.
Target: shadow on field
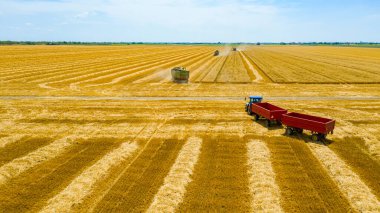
pixel 307 138
pixel 262 122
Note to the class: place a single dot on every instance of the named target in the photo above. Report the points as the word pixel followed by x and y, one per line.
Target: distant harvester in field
pixel 216 53
pixel 180 75
pixel 234 49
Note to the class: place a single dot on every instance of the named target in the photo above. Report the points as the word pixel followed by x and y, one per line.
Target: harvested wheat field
pixel 103 129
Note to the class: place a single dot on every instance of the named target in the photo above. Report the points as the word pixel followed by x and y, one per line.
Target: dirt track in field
pixel 186 98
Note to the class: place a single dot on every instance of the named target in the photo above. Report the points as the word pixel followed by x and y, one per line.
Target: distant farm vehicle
pixel 271 113
pixel 180 75
pixel 216 53
pixel 319 127
pixel 234 49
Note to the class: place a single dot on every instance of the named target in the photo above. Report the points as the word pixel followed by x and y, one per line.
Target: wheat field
pixel 103 129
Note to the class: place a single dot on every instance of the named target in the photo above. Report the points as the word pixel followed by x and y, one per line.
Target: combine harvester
pixel 180 75
pixel 294 122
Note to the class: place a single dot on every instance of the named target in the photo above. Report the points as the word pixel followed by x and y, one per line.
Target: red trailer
pixel 319 127
pixel 268 111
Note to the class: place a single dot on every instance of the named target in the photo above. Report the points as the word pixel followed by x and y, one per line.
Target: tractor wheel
pixel 315 137
pixel 288 131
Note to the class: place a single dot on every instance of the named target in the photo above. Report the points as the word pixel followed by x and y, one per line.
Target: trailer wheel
pixel 315 137
pixel 267 123
pixel 256 117
pixel 322 136
pixel 288 131
pixel 299 131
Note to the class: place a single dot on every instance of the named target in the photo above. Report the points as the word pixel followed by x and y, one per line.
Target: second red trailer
pixel 297 122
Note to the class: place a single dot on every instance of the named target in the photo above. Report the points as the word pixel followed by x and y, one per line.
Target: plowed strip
pixel 359 195
pixel 297 191
pixel 20 165
pixel 360 161
pixel 5 141
pixel 214 71
pixel 220 178
pixel 328 191
pixel 30 190
pixel 202 71
pixel 252 73
pixel 21 148
pixel 136 188
pixel 264 190
pixel 171 193
pixel 83 184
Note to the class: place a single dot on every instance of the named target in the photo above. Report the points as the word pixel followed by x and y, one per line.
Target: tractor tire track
pixel 136 188
pixel 145 136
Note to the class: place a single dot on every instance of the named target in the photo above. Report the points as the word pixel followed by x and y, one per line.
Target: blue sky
pixel 190 20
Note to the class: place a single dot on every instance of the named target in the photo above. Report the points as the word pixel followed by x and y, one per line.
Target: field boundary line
pixel 171 193
pixel 262 179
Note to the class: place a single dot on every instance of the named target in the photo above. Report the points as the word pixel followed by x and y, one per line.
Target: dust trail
pixel 20 165
pixel 155 76
pixel 171 193
pixel 83 185
pixel 225 51
pixel 10 139
pixel 264 190
pixel 358 194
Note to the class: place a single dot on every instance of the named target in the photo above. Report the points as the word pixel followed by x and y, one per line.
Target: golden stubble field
pixel 67 144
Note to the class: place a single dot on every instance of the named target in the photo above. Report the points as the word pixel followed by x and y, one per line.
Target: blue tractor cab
pixel 252 99
pixel 255 99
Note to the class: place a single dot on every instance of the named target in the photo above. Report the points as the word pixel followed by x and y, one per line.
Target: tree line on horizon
pixel 187 43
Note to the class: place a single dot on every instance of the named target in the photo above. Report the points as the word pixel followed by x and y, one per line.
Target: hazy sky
pixel 190 20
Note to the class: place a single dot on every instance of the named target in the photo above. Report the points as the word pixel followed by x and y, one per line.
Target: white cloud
pixel 82 15
pixel 187 20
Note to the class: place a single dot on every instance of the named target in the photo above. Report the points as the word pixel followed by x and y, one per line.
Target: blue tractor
pixel 252 99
